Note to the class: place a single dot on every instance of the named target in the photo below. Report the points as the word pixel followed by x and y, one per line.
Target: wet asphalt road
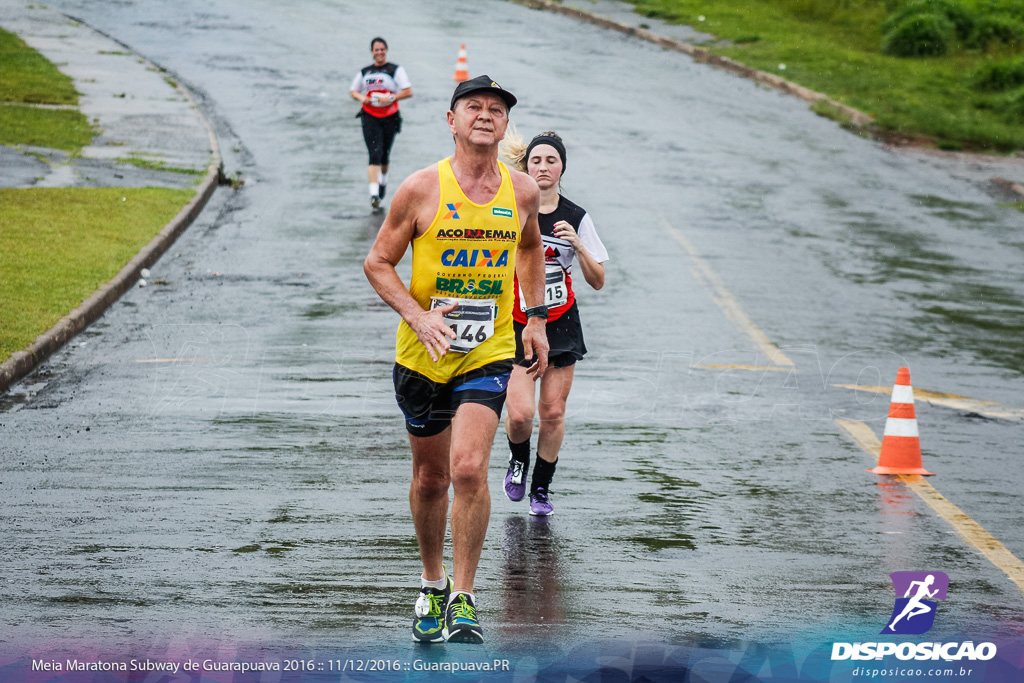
pixel 219 459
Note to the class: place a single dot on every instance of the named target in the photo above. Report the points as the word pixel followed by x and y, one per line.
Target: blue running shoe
pixel 540 506
pixel 428 626
pixel 461 625
pixel 515 479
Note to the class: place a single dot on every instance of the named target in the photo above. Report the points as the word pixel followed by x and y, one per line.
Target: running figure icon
pixel 915 607
pixel 920 592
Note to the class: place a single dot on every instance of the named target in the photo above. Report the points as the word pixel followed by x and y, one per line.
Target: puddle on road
pixel 326 309
pixel 533 565
pixel 976 311
pixel 100 600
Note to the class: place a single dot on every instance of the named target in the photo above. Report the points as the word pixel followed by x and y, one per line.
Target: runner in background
pixel 569 235
pixel 378 87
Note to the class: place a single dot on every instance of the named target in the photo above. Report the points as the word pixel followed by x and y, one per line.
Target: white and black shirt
pixel 389 78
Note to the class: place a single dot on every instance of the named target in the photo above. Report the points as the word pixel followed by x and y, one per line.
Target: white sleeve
pixel 588 235
pixel 402 79
pixel 358 84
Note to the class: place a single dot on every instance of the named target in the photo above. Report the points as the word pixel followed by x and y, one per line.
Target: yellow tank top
pixel 468 253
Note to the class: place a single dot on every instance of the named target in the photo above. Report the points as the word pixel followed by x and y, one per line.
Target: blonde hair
pixel 513 148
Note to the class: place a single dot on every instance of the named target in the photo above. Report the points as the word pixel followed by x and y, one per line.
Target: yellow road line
pixel 939 398
pixel 703 271
pixel 972 532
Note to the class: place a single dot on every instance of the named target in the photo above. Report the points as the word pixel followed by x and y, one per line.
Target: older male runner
pixel 472 223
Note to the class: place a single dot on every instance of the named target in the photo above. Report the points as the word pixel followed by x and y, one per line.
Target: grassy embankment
pixel 58 245
pixel 942 72
pixel 29 79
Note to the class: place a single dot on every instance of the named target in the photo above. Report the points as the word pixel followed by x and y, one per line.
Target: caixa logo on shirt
pixel 917 596
pixel 475 258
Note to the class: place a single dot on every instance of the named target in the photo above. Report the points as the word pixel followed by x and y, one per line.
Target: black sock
pixel 543 471
pixel 520 451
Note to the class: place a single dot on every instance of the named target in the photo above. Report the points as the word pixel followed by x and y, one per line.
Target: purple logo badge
pixel 916 596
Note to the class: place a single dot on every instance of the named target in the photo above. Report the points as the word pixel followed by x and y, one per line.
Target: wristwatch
pixel 537 312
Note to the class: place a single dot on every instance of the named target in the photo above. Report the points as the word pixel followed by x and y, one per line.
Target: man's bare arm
pixel 530 270
pixel 530 255
pixel 395 234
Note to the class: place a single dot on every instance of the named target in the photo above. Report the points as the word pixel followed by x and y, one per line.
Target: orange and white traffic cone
pixel 461 68
pixel 901 445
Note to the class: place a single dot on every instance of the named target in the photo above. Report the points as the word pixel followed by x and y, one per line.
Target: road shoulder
pixel 152 133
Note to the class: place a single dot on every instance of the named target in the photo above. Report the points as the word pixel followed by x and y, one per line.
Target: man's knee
pixel 469 469
pixel 552 412
pixel 431 482
pixel 519 410
pixel 519 419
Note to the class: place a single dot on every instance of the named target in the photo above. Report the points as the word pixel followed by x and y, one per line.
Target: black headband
pixel 547 140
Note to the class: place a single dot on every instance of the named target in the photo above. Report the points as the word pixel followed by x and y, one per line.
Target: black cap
pixel 482 83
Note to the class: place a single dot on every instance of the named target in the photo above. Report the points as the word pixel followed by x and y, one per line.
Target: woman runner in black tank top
pixel 569 235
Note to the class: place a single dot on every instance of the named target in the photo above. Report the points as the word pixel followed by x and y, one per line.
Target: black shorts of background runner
pixel 429 406
pixel 565 336
pixel 379 134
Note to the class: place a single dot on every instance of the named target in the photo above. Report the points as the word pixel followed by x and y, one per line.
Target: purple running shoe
pixel 515 479
pixel 540 506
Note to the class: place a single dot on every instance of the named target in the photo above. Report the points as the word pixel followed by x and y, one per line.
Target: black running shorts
pixel 379 135
pixel 429 406
pixel 565 336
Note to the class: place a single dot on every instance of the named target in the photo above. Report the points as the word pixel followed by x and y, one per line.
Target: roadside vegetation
pixel 28 79
pixel 58 245
pixel 64 129
pixel 156 165
pixel 61 244
pixel 945 72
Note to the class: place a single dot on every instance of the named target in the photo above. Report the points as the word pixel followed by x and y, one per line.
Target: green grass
pixel 28 77
pixel 58 245
pixel 66 129
pixel 835 47
pixel 153 165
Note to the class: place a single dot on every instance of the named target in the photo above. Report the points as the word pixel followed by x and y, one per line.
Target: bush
pixel 1009 107
pixel 1014 110
pixel 920 35
pixel 996 29
pixel 1013 8
pixel 963 20
pixel 999 76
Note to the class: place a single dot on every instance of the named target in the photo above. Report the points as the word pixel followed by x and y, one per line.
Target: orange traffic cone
pixel 461 69
pixel 901 445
